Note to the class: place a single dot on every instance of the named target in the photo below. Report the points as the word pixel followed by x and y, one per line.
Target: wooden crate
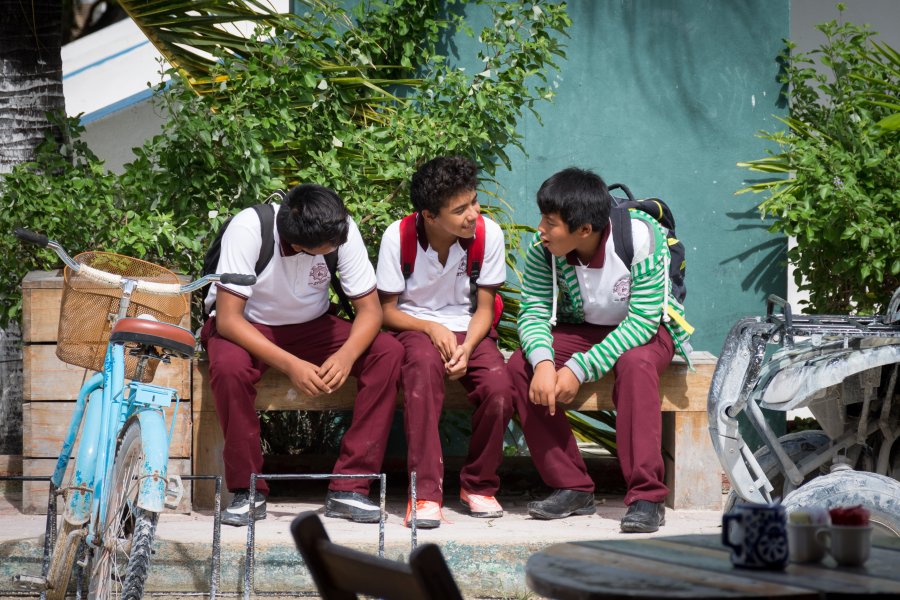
pixel 50 388
pixel 10 466
pixel 46 424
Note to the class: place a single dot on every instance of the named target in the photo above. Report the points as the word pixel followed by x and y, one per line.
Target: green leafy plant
pixel 838 170
pixel 355 105
pixel 352 101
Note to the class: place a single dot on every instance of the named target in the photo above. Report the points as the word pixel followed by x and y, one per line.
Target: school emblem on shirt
pixel 461 271
pixel 622 289
pixel 318 275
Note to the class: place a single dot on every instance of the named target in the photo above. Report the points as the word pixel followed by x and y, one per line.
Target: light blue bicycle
pixel 119 317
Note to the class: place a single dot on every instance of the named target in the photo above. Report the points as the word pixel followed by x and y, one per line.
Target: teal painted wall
pixel 666 96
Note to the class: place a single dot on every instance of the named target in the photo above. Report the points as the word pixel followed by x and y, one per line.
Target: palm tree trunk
pixel 30 76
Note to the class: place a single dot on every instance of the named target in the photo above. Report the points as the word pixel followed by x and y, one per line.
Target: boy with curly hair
pixel 432 314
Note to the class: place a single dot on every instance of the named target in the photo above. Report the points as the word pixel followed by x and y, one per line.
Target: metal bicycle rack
pixel 215 557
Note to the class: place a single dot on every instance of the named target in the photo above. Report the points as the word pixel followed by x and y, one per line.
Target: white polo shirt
pixel 605 282
pixel 293 288
pixel 436 292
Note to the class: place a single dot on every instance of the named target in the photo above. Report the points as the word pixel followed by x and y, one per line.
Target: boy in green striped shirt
pixel 584 313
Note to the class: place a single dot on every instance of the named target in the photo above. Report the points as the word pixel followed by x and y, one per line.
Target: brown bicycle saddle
pixel 175 339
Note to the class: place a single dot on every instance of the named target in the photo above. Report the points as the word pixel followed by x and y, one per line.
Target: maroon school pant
pixel 489 390
pixel 638 415
pixel 233 374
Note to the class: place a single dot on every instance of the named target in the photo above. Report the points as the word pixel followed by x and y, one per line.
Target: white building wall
pixel 106 79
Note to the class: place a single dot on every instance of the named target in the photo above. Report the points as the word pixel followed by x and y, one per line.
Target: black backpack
pixel 266 214
pixel 624 245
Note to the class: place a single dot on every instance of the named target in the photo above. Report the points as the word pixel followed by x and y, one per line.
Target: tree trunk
pixel 30 76
pixel 30 87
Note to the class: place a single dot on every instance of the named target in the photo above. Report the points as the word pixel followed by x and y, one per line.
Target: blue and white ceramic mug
pixel 757 535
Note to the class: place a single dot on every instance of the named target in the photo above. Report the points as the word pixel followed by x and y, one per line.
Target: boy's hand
pixel 335 369
pixel 458 364
pixel 543 386
pixel 567 385
pixel 443 339
pixel 305 377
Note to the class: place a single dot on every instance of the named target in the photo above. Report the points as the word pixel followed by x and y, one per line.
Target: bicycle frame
pixel 104 412
pixel 110 405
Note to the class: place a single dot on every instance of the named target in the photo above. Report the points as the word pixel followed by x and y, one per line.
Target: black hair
pixel 579 196
pixel 312 216
pixel 439 180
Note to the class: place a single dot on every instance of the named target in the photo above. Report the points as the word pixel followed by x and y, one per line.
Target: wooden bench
pixel 693 472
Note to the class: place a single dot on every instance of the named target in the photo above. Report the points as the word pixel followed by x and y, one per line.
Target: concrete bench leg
pixel 696 482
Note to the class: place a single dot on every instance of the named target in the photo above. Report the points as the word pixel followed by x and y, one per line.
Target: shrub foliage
pixel 841 159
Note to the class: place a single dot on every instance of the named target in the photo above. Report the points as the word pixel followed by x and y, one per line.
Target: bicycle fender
pixel 155 442
pixel 95 382
pixel 82 488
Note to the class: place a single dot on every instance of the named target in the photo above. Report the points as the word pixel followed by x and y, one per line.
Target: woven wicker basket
pixel 89 309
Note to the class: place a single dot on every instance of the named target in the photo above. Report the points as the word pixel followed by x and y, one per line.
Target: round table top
pixel 698 566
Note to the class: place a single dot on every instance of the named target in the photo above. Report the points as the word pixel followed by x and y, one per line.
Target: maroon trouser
pixel 489 389
pixel 638 416
pixel 233 374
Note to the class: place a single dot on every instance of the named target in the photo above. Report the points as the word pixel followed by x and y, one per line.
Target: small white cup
pixel 849 545
pixel 804 546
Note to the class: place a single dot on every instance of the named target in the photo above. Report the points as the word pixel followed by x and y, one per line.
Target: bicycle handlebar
pixel 31 237
pixel 151 287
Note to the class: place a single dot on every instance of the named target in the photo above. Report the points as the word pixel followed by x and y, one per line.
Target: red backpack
pixel 474 259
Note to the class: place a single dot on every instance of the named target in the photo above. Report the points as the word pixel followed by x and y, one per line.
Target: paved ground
pixel 487 556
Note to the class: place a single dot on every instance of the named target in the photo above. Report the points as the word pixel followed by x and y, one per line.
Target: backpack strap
pixel 474 262
pixel 621 232
pixel 624 188
pixel 331 260
pixel 408 243
pixel 266 214
pixel 475 251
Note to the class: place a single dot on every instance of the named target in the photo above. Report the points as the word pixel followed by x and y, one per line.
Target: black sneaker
pixel 561 504
pixel 238 512
pixel 351 505
pixel 644 516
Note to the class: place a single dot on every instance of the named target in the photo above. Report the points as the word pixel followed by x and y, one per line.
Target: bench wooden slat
pixel 680 390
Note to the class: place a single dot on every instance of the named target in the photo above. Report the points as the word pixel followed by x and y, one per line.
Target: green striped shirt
pixel 645 307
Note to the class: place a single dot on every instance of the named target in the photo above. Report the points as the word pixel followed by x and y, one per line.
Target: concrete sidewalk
pixel 487 556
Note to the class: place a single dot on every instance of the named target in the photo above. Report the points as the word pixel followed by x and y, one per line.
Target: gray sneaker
pixel 351 505
pixel 238 512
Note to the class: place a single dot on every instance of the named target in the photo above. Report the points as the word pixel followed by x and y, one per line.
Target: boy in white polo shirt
pixel 283 321
pixel 431 311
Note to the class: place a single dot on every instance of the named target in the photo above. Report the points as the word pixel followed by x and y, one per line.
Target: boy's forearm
pixel 397 320
pixel 241 332
pixel 533 324
pixel 479 326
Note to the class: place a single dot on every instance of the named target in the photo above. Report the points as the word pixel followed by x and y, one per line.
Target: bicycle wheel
pixel 119 567
pixel 65 549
